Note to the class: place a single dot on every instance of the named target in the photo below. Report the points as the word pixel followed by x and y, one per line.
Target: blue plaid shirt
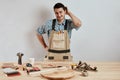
pixel 47 27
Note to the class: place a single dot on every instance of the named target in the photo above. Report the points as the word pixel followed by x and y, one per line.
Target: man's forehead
pixel 58 9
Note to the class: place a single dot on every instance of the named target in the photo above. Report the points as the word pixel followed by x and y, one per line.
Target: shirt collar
pixel 63 23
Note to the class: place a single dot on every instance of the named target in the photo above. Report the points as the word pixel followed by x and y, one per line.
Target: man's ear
pixel 65 8
pixel 65 12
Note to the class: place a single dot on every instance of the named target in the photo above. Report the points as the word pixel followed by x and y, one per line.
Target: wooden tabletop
pixel 106 71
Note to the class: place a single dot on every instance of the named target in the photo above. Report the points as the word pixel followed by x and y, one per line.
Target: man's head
pixel 60 11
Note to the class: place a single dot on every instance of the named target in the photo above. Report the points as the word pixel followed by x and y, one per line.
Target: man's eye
pixel 56 13
pixel 60 11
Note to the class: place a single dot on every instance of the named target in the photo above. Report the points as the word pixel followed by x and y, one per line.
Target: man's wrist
pixel 69 13
pixel 45 46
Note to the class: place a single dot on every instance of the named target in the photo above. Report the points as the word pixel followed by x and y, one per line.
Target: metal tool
pixel 20 58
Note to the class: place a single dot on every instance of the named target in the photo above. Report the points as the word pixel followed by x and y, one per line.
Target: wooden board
pixel 59 74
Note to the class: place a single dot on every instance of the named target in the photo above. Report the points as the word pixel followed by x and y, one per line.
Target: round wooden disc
pixel 59 75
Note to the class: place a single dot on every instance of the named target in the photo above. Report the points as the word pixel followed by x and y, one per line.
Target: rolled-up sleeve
pixel 41 30
pixel 44 28
pixel 72 25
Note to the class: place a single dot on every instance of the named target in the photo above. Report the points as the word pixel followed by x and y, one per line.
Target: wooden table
pixel 106 71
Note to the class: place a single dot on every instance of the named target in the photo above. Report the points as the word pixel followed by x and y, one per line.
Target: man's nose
pixel 59 14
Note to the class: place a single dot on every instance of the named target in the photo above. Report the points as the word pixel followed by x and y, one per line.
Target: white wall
pixel 97 39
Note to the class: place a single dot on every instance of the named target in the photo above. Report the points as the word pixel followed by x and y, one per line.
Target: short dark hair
pixel 59 5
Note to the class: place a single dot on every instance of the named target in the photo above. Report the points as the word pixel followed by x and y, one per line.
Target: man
pixel 60 11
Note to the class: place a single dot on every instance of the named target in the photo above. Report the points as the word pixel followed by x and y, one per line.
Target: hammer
pixel 20 58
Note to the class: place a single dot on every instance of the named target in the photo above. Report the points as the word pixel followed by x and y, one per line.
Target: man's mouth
pixel 59 17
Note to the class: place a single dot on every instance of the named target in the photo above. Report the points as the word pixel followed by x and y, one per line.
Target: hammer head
pixel 20 54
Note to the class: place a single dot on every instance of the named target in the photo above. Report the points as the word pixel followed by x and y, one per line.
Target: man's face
pixel 59 13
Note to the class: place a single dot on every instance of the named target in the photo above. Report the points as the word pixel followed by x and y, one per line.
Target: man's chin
pixel 59 19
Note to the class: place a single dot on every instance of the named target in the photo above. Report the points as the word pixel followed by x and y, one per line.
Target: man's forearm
pixel 40 38
pixel 75 20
